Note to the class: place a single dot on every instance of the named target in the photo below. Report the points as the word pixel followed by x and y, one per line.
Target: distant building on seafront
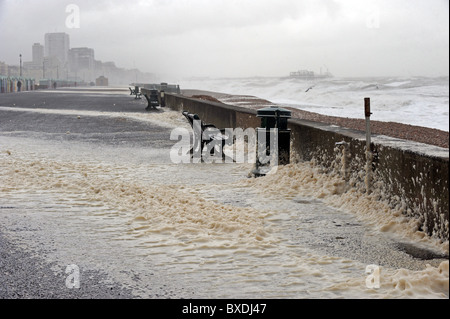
pixel 81 58
pixel 3 68
pixel 56 61
pixel 101 81
pixel 34 68
pixel 57 45
pixel 82 63
pixel 38 53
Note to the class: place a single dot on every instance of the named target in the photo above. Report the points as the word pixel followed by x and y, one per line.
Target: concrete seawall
pixel 411 175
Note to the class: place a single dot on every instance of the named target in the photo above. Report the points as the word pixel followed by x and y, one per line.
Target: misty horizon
pixel 241 39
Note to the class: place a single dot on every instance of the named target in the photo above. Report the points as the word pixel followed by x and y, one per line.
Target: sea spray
pixel 378 208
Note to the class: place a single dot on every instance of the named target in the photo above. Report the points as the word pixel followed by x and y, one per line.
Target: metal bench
pixel 152 100
pixel 204 134
pixel 135 92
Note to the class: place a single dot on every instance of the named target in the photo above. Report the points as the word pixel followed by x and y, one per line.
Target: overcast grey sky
pixel 236 38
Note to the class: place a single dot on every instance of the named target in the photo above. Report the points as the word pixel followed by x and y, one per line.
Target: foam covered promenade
pixel 87 185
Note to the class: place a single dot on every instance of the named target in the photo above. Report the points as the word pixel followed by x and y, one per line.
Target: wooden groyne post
pixel 369 155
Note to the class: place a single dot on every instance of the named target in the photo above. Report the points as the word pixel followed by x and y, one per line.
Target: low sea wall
pixel 412 175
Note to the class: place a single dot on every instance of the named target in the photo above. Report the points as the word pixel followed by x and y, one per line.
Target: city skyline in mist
pixel 229 38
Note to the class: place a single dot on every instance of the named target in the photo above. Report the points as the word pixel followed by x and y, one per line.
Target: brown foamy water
pixel 206 230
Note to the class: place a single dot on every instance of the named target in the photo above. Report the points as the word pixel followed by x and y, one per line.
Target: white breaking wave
pixel 414 100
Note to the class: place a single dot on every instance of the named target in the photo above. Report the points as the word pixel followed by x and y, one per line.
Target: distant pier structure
pixel 308 75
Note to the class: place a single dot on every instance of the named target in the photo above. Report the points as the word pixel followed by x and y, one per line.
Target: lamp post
pixel 20 56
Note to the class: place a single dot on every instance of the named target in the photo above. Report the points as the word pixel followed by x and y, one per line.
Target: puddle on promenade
pixel 205 230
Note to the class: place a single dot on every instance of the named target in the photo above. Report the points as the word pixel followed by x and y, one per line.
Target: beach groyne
pixel 409 175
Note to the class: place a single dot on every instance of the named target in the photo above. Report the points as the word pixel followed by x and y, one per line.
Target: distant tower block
pixel 57 45
pixel 38 53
